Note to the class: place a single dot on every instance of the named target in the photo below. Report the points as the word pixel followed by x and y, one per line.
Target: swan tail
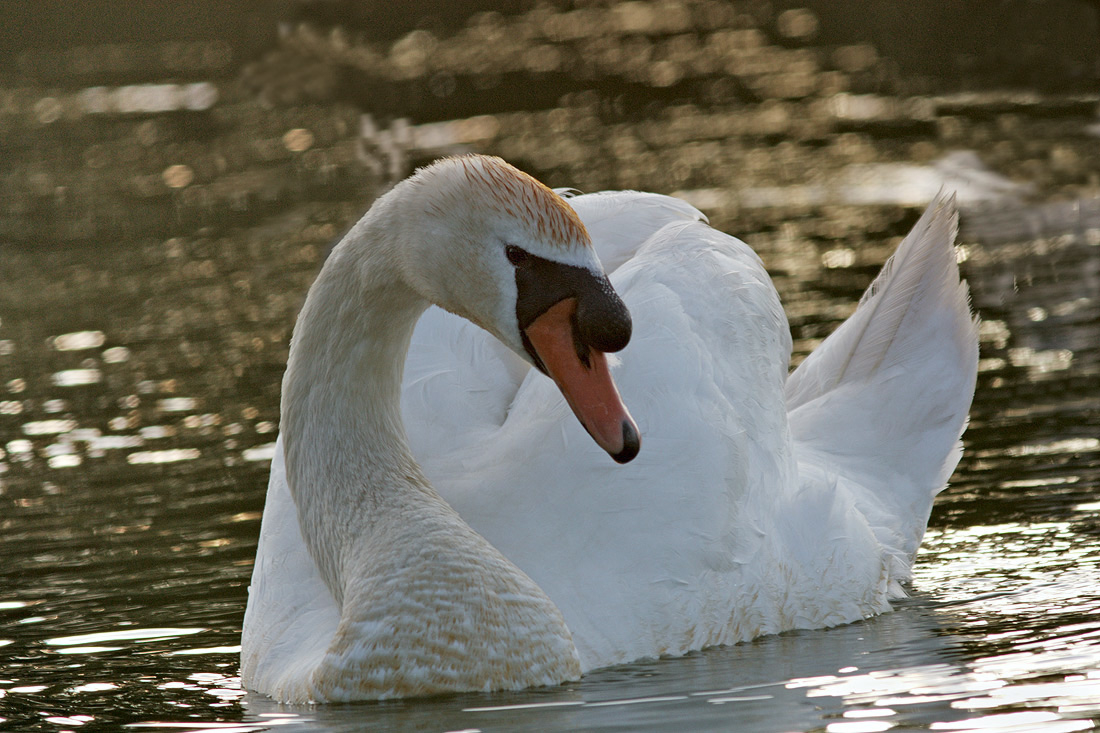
pixel 878 409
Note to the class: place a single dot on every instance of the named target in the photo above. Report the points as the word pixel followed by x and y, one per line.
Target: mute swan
pixel 760 502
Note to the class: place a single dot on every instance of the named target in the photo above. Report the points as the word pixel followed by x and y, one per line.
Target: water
pixel 151 265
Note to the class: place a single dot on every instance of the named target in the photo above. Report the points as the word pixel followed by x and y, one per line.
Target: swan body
pixel 760 502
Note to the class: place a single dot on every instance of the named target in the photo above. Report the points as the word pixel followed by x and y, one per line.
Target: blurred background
pixel 146 119
pixel 172 175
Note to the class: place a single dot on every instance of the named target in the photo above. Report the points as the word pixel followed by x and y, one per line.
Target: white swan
pixel 759 502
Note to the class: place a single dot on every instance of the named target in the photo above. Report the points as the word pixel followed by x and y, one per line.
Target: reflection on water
pixel 153 258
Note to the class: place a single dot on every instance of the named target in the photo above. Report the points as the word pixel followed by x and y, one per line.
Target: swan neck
pixel 347 457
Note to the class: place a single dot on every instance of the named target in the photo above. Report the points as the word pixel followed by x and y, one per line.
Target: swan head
pixel 495 246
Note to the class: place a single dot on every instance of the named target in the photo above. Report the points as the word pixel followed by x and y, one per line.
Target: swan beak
pixel 582 374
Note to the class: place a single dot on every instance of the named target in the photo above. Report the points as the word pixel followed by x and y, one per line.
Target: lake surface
pixel 152 261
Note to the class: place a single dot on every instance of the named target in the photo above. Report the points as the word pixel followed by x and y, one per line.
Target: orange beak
pixel 584 378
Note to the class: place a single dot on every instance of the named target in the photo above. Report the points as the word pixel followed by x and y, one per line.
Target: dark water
pixel 152 261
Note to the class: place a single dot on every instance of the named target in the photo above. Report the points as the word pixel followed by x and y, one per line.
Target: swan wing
pixel 877 410
pixel 458 385
pixel 620 222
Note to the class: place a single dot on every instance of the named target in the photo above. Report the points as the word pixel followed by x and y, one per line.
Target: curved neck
pixel 347 457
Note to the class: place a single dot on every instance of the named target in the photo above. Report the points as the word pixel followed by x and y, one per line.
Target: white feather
pixel 882 402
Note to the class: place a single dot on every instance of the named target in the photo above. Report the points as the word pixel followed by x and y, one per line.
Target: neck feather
pixel 348 460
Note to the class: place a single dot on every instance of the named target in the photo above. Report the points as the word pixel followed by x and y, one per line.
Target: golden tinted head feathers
pixel 510 191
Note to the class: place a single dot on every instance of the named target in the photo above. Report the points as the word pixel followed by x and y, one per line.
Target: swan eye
pixel 515 255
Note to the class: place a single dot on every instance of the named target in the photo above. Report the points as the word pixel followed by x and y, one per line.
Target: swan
pixel 451 521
